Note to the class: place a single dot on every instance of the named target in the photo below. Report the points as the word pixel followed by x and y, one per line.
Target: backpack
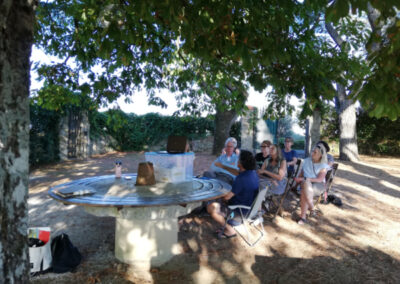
pixel 65 255
pixel 334 200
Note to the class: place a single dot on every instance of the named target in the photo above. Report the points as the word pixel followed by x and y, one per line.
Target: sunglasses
pixel 264 146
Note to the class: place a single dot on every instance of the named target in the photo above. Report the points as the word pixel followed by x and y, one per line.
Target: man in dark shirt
pixel 244 191
pixel 290 155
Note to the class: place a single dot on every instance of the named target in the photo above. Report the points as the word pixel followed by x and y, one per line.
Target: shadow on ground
pixel 355 243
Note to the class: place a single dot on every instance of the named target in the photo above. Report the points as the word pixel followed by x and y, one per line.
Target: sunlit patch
pixel 390 185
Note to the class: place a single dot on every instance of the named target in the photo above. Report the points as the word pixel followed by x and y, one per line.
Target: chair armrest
pixel 233 207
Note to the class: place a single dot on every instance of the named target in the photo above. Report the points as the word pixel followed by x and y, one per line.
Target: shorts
pixel 318 188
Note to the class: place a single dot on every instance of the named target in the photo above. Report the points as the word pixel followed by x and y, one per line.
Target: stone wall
pixel 101 145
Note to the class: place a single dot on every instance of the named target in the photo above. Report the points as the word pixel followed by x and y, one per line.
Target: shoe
pixel 222 235
pixel 302 221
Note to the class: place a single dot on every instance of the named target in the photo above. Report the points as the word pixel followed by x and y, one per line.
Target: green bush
pixel 135 133
pixel 378 136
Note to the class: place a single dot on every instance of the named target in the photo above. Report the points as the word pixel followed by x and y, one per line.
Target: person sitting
pixel 290 155
pixel 329 157
pixel 273 171
pixel 261 157
pixel 312 180
pixel 225 167
pixel 244 191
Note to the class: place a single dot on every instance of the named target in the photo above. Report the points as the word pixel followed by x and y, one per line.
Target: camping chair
pixel 328 183
pixel 253 217
pixel 288 187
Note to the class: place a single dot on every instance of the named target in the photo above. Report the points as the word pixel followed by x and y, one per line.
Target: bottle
pixel 118 169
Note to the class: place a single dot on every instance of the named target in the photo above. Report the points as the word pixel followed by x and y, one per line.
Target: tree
pixel 346 108
pixel 378 90
pixel 16 37
pixel 129 40
pixel 130 43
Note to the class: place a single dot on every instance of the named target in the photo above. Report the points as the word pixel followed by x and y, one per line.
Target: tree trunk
pixel 348 147
pixel 16 37
pixel 347 126
pixel 223 124
pixel 313 131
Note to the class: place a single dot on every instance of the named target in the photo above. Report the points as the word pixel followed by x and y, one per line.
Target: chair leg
pixel 279 210
pixel 246 229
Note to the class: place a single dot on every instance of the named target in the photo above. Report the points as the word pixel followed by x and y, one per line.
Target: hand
pixel 298 179
pixel 218 164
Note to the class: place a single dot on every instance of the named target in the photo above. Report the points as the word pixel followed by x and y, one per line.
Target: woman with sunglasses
pixel 312 180
pixel 261 157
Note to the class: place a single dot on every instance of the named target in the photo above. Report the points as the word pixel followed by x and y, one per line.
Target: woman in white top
pixel 312 179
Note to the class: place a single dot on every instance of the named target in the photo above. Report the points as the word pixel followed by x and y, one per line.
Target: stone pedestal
pixel 146 236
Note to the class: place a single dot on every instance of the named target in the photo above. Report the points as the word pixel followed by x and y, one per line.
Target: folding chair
pixel 289 185
pixel 328 183
pixel 253 217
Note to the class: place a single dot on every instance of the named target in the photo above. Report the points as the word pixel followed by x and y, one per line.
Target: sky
pixel 139 104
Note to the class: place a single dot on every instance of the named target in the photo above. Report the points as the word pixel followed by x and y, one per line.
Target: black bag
pixel 334 200
pixel 65 255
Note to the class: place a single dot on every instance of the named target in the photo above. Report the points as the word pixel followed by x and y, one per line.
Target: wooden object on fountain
pixel 145 175
pixel 177 144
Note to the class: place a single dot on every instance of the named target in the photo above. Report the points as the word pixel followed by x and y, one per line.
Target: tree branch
pixel 334 34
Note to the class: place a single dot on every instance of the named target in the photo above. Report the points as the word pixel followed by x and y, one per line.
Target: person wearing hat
pixel 329 156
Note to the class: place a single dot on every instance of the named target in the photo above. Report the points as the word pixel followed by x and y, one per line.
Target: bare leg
pixel 306 199
pixel 303 203
pixel 309 193
pixel 214 209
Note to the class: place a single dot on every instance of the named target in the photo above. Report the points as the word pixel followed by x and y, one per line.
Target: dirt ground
pixel 358 242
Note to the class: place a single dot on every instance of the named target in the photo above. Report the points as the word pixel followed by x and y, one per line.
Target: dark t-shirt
pixel 289 157
pixel 260 159
pixel 245 188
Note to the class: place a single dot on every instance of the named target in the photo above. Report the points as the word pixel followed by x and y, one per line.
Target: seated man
pixel 225 167
pixel 244 191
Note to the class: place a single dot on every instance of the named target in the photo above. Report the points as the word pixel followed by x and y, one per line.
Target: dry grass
pixel 358 242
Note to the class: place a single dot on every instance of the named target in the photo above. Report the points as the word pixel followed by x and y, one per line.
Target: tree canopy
pixel 202 47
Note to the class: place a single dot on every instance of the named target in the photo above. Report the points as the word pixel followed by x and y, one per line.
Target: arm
pixel 300 178
pixel 262 169
pixel 293 162
pixel 281 173
pixel 229 169
pixel 228 196
pixel 319 178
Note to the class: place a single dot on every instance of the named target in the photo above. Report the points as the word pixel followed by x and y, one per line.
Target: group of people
pixel 271 167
